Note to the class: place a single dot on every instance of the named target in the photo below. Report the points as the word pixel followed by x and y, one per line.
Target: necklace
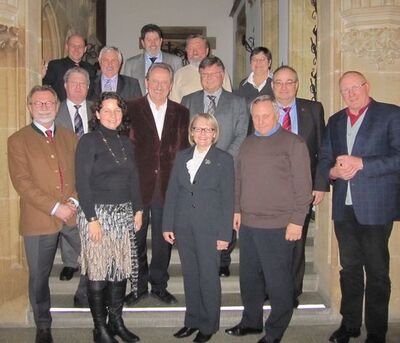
pixel 116 159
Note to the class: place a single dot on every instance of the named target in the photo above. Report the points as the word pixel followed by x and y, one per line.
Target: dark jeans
pixel 364 248
pixel 266 267
pixel 157 274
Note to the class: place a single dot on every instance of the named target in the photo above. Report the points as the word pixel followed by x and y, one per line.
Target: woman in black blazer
pixel 198 216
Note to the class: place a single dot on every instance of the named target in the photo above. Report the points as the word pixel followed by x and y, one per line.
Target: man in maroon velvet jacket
pixel 158 129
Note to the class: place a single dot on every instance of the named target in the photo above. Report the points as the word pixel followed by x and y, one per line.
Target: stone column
pixel 363 36
pixel 20 55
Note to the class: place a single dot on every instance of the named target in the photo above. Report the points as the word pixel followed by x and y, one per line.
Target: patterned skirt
pixel 114 258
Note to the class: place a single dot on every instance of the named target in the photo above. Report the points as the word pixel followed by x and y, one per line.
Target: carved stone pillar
pixel 270 28
pixel 20 53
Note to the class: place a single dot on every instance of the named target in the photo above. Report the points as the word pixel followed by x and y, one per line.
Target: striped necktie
pixel 212 105
pixel 78 122
pixel 286 123
pixel 107 86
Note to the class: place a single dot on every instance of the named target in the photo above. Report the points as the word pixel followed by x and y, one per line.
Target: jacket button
pixel 52 156
pixel 193 206
pixel 156 171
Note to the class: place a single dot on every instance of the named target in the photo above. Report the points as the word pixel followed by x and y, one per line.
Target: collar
pixel 42 129
pixel 147 56
pixel 217 94
pixel 281 107
pixel 250 80
pixel 112 79
pixel 270 133
pixel 153 105
pixel 71 104
pixel 355 116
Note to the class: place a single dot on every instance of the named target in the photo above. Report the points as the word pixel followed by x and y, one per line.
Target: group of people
pixel 96 169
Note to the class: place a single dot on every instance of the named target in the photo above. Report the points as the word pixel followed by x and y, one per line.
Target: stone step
pixel 150 312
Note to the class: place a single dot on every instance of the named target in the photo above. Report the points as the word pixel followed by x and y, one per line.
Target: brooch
pixel 207 161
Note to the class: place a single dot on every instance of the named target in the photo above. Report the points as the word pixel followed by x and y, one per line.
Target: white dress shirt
pixel 82 112
pixel 159 115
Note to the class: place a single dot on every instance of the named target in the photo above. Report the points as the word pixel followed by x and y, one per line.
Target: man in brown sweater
pixel 273 194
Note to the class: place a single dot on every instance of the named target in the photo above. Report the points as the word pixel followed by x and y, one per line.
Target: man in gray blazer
pixel 110 60
pixel 231 113
pixel 74 114
pixel 151 40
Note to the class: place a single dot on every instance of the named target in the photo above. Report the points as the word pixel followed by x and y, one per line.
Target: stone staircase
pixel 150 312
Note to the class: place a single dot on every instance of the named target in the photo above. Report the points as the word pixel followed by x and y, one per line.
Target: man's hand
pixel 236 221
pixel 318 197
pixel 293 232
pixel 169 237
pixel 95 232
pixel 222 245
pixel 346 167
pixel 65 212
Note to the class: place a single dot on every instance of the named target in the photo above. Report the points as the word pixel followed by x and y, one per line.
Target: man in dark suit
pixel 74 114
pixel 360 155
pixel 306 119
pixel 54 77
pixel 41 164
pixel 110 60
pixel 159 129
pixel 231 113
pixel 151 40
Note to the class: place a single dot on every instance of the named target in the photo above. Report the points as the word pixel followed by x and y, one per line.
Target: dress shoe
pixel 266 340
pixel 371 338
pixel 184 332
pixel 239 330
pixel 67 273
pixel 43 336
pixel 343 335
pixel 81 302
pixel 224 271
pixel 132 298
pixel 164 296
pixel 201 337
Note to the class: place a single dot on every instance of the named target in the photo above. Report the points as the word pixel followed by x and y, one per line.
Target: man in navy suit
pixel 306 119
pixel 360 154
pixel 110 60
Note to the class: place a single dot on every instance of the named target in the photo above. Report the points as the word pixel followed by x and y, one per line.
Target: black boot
pixel 97 297
pixel 116 295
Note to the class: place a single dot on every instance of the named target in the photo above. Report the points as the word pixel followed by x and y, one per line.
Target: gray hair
pixel 265 98
pixel 41 88
pixel 110 48
pixel 198 36
pixel 161 65
pixel 77 70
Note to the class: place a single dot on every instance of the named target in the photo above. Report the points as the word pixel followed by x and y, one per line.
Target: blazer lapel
pixel 302 119
pixel 362 134
pixel 149 118
pixel 208 160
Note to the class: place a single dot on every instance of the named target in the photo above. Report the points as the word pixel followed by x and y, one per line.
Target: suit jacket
pixel 127 87
pixel 135 67
pixel 34 164
pixel 311 127
pixel 375 189
pixel 155 157
pixel 55 75
pixel 231 114
pixel 208 202
pixel 63 117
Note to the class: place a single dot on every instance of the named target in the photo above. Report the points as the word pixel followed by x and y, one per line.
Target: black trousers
pixel 226 254
pixel 364 248
pixel 266 268
pixel 157 274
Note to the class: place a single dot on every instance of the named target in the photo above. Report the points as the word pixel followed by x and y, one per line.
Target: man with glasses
pixel 360 155
pixel 41 159
pixel 158 130
pixel 306 119
pixel 75 47
pixel 231 114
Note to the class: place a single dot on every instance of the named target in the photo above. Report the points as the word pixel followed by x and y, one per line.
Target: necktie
pixel 78 122
pixel 286 124
pixel 107 86
pixel 152 59
pixel 212 105
pixel 49 134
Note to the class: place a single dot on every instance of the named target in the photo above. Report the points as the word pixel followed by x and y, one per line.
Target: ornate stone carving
pixel 381 46
pixel 9 37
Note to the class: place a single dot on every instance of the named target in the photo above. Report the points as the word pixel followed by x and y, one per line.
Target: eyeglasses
pixel 353 89
pixel 289 83
pixel 203 129
pixel 259 60
pixel 209 75
pixel 39 104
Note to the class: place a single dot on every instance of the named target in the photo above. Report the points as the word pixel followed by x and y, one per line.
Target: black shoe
pixel 265 340
pixel 201 337
pixel 343 335
pixel 81 302
pixel 132 299
pixel 43 336
pixel 184 332
pixel 224 271
pixel 67 273
pixel 371 338
pixel 164 296
pixel 239 330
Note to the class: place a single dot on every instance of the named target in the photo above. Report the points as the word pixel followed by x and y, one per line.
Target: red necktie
pixel 286 124
pixel 49 134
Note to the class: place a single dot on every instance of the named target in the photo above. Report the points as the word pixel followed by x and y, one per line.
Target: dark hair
pixel 260 49
pixel 285 67
pixel 210 61
pixel 150 28
pixel 98 105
